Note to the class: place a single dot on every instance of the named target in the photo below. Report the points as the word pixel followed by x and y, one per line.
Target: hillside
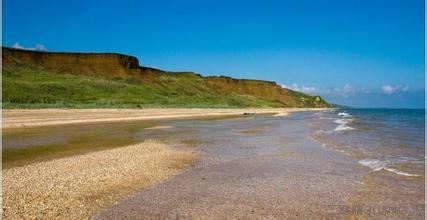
pixel 34 79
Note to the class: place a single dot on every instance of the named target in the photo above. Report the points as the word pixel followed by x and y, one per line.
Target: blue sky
pixel 359 53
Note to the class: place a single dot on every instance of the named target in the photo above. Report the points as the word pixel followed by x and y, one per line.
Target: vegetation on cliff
pixel 65 80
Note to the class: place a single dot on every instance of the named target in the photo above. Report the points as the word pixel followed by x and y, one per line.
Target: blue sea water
pixel 382 139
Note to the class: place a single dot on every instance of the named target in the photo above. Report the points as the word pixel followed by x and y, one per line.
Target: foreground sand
pixel 44 117
pixel 79 186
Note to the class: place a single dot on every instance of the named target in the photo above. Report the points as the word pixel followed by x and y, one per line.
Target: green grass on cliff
pixel 25 87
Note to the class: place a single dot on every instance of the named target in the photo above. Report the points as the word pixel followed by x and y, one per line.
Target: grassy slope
pixel 32 87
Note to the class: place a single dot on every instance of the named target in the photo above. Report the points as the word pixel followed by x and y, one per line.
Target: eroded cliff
pixel 178 86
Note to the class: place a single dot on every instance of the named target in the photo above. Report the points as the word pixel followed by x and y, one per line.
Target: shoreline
pixel 27 118
pixel 176 148
pixel 267 158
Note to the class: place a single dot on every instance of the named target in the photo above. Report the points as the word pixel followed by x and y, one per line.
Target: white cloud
pixel 17 45
pixel 39 47
pixel 348 89
pixel 345 92
pixel 304 89
pixel 388 89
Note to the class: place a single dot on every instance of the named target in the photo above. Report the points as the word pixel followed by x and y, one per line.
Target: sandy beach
pixel 47 117
pixel 51 182
pixel 213 110
pixel 177 163
pixel 85 182
pixel 79 186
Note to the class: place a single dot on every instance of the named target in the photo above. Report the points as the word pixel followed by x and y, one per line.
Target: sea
pixel 390 140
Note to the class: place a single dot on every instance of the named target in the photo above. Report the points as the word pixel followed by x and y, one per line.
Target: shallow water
pixel 389 143
pixel 250 168
pixel 21 146
pixel 381 139
pixel 303 165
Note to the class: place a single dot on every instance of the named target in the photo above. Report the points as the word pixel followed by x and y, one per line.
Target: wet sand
pixel 257 166
pixel 14 118
pixel 275 172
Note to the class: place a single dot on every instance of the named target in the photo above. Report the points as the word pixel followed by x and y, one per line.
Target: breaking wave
pixel 343 127
pixel 343 124
pixel 344 114
pixel 377 165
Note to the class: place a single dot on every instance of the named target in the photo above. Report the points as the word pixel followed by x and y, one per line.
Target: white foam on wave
pixel 343 121
pixel 344 114
pixel 377 165
pixel 400 172
pixel 325 118
pixel 343 127
pixel 321 131
pixel 343 124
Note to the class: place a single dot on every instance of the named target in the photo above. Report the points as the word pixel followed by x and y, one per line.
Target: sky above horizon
pixel 358 53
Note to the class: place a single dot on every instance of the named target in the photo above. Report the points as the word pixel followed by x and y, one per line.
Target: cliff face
pixel 94 64
pixel 113 66
pixel 265 89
